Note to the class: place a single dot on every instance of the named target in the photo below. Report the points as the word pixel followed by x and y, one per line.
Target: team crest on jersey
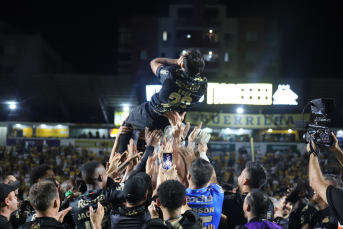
pixel 326 219
pixel 35 226
pixel 305 209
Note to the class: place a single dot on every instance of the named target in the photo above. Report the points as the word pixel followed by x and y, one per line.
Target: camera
pixel 318 133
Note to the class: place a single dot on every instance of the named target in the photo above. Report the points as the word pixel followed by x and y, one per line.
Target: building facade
pixel 232 47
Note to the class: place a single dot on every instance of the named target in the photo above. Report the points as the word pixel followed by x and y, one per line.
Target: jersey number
pixel 177 99
pixel 206 219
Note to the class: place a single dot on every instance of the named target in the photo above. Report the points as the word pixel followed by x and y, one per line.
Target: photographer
pixel 331 195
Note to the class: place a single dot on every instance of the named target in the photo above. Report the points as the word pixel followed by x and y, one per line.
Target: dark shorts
pixel 144 116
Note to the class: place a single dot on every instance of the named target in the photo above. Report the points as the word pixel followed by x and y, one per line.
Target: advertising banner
pixel 249 121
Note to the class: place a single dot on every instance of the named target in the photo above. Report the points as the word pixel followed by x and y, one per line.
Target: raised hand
pixel 188 155
pixel 178 131
pixel 186 130
pixel 97 217
pixel 194 132
pixel 202 147
pixel 174 117
pixel 150 165
pixel 152 210
pixel 60 215
pixel 154 138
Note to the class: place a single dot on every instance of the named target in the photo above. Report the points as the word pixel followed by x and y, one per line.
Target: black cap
pixel 135 187
pixel 6 189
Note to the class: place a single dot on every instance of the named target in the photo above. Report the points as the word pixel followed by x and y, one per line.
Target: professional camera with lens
pixel 317 131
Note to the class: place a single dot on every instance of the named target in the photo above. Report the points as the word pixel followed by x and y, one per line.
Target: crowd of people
pixel 64 188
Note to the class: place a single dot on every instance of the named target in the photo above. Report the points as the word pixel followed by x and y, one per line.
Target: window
pixel 250 74
pixel 228 37
pixel 251 56
pixel 165 36
pixel 144 36
pixel 125 38
pixel 124 56
pixel 211 13
pixel 211 57
pixel 226 57
pixel 144 55
pixel 185 13
pixel 183 34
pixel 269 60
pixel 163 54
pixel 251 36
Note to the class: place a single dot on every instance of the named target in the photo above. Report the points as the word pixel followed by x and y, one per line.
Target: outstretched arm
pixel 122 130
pixel 316 178
pixel 155 63
pixel 336 149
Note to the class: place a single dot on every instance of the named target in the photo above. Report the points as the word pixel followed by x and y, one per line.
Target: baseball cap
pixel 135 187
pixel 6 189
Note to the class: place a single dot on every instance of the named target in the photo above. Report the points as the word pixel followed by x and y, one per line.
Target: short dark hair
pixel 304 185
pixel 259 202
pixel 201 171
pixel 281 197
pixel 335 180
pixel 257 175
pixel 42 194
pixel 194 62
pixel 88 171
pixel 38 172
pixel 171 194
pixel 52 179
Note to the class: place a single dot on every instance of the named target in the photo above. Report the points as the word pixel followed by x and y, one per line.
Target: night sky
pixel 86 33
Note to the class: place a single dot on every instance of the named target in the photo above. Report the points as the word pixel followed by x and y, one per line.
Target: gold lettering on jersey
pixel 188 87
pixel 134 212
pixel 203 210
pixel 33 217
pixel 181 92
pixel 85 203
pixel 86 215
pixel 199 199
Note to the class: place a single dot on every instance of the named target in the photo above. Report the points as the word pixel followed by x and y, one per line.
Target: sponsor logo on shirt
pixel 199 199
pixel 326 219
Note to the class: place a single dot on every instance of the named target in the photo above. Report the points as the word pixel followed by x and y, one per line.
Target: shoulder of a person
pixel 156 223
pixel 241 227
pixel 6 225
pixel 216 187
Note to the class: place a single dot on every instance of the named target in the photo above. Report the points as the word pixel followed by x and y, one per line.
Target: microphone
pixel 302 124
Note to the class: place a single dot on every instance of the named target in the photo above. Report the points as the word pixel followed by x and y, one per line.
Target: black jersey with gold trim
pixel 107 197
pixel 324 219
pixel 302 216
pixel 179 91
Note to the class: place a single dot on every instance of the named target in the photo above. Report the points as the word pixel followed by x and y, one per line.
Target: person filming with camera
pixel 330 194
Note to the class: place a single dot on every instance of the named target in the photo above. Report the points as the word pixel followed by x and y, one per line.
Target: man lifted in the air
pixel 181 89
